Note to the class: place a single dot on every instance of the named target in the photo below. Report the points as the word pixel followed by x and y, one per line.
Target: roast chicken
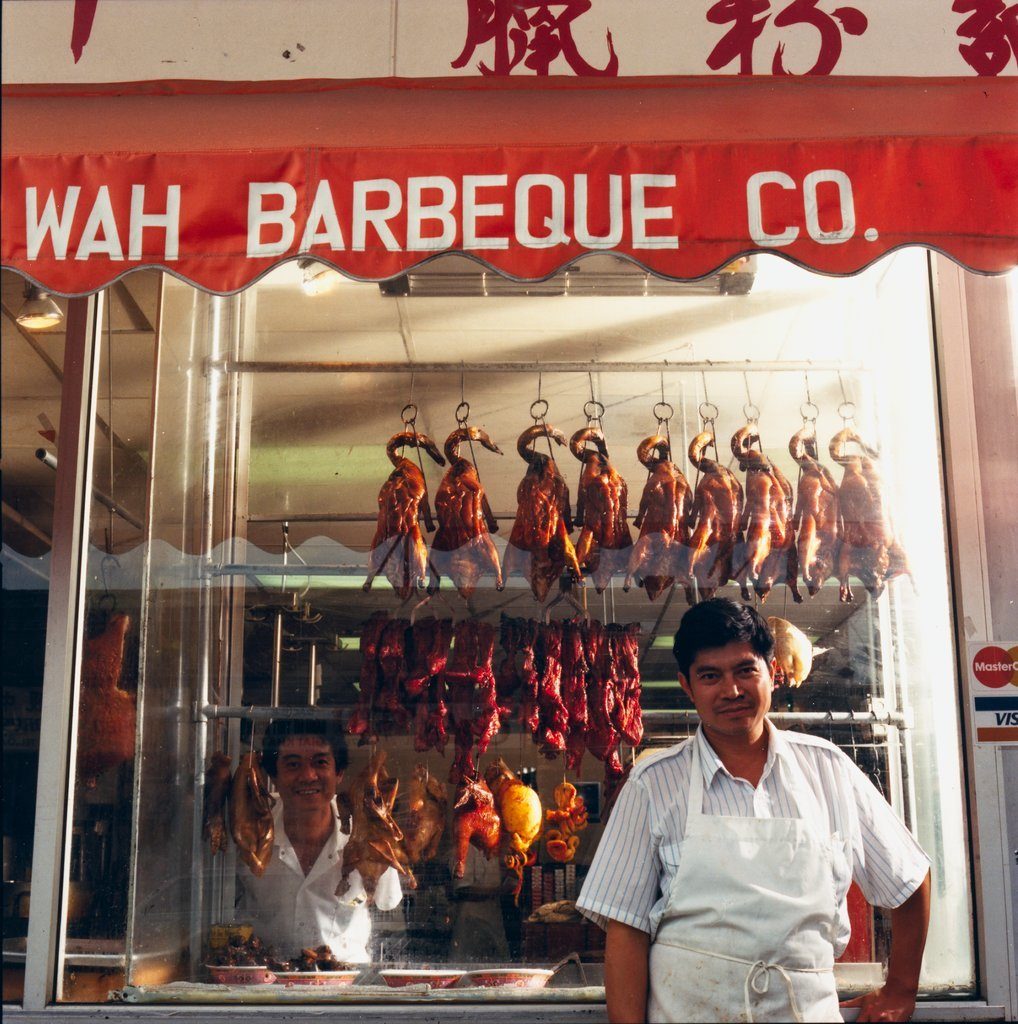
pixel 519 811
pixel 717 517
pixel 475 821
pixel 539 545
pixel 768 554
pixel 376 842
pixel 107 715
pixel 569 816
pixel 601 510
pixel 251 805
pixel 398 546
pixel 425 822
pixel 463 549
pixel 869 550
pixel 792 651
pixel 216 791
pixel 816 513
pixel 661 554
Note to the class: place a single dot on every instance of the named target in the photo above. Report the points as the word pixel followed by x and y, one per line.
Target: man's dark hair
pixel 718 622
pixel 281 729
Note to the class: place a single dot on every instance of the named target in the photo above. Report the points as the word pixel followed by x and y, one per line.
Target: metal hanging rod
pixel 498 366
pixel 895 718
pixel 251 713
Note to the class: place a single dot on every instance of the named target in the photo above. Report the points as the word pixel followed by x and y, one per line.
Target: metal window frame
pixel 65 614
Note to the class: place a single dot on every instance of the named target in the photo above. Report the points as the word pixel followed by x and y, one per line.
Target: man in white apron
pixel 722 874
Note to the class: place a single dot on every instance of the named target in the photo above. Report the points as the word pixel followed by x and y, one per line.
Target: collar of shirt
pixel 287 855
pixel 711 764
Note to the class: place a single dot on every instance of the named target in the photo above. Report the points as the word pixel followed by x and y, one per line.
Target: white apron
pixel 748 929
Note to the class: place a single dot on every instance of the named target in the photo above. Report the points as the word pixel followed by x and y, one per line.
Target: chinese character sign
pixel 533 33
pixel 992 30
pixel 747 19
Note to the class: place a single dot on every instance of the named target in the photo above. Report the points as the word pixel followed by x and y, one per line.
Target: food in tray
pixel 539 545
pixel 869 549
pixel 792 651
pixel 558 912
pixel 107 716
pixel 250 814
pixel 661 554
pixel 767 555
pixel 816 512
pixel 717 518
pixel 435 977
pixel 601 510
pixel 241 975
pixel 376 841
pixel 463 549
pixel 312 960
pixel 398 546
pixel 511 977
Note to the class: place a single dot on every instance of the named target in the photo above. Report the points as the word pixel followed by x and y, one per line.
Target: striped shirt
pixel 639 854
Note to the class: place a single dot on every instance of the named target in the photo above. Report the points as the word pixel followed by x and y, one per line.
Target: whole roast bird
pixel 661 554
pixel 251 803
pixel 869 550
pixel 816 512
pixel 717 518
pixel 768 553
pixel 376 842
pixel 425 818
pixel 107 714
pixel 539 546
pixel 601 510
pixel 398 546
pixel 463 549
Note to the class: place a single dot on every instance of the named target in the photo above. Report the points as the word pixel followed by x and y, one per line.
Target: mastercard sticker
pixel 993 683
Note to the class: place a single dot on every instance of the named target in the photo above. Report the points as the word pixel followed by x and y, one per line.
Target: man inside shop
pixel 301 899
pixel 722 876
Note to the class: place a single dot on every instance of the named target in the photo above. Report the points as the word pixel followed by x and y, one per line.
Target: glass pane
pixel 262 534
pixel 31 375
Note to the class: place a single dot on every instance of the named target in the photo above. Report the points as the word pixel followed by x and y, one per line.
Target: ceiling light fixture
pixel 38 312
pixel 316 278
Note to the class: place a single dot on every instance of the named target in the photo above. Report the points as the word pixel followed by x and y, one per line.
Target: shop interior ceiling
pixel 318 440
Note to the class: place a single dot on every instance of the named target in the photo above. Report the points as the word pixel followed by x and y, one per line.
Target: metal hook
pixel 409 414
pixel 538 416
pixel 462 413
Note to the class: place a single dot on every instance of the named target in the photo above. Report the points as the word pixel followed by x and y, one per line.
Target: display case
pixel 248 598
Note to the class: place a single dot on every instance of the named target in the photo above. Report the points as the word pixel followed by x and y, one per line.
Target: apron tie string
pixel 759 980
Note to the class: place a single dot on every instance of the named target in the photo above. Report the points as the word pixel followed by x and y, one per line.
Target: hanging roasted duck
pixel 425 821
pixel 475 822
pixel 792 651
pixel 107 714
pixel 214 797
pixel 717 519
pixel 601 510
pixel 398 546
pixel 376 842
pixel 251 823
pixel 816 512
pixel 539 545
pixel 463 549
pixel 768 554
pixel 661 554
pixel 869 550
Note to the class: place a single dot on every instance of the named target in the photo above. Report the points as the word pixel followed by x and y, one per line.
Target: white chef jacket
pixel 639 854
pixel 290 910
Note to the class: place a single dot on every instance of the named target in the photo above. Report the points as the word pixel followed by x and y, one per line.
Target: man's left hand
pixel 884 1004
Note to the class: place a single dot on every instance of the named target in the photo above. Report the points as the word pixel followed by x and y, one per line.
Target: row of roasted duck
pixel 497 813
pixel 573 685
pixel 755 533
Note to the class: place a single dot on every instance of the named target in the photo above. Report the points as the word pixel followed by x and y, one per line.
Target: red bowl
pixel 435 977
pixel 510 977
pixel 316 977
pixel 241 975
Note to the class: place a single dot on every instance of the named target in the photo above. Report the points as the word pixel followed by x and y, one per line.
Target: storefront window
pixel 33 357
pixel 255 454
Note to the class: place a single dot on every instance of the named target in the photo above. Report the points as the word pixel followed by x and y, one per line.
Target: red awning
pixel 218 182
